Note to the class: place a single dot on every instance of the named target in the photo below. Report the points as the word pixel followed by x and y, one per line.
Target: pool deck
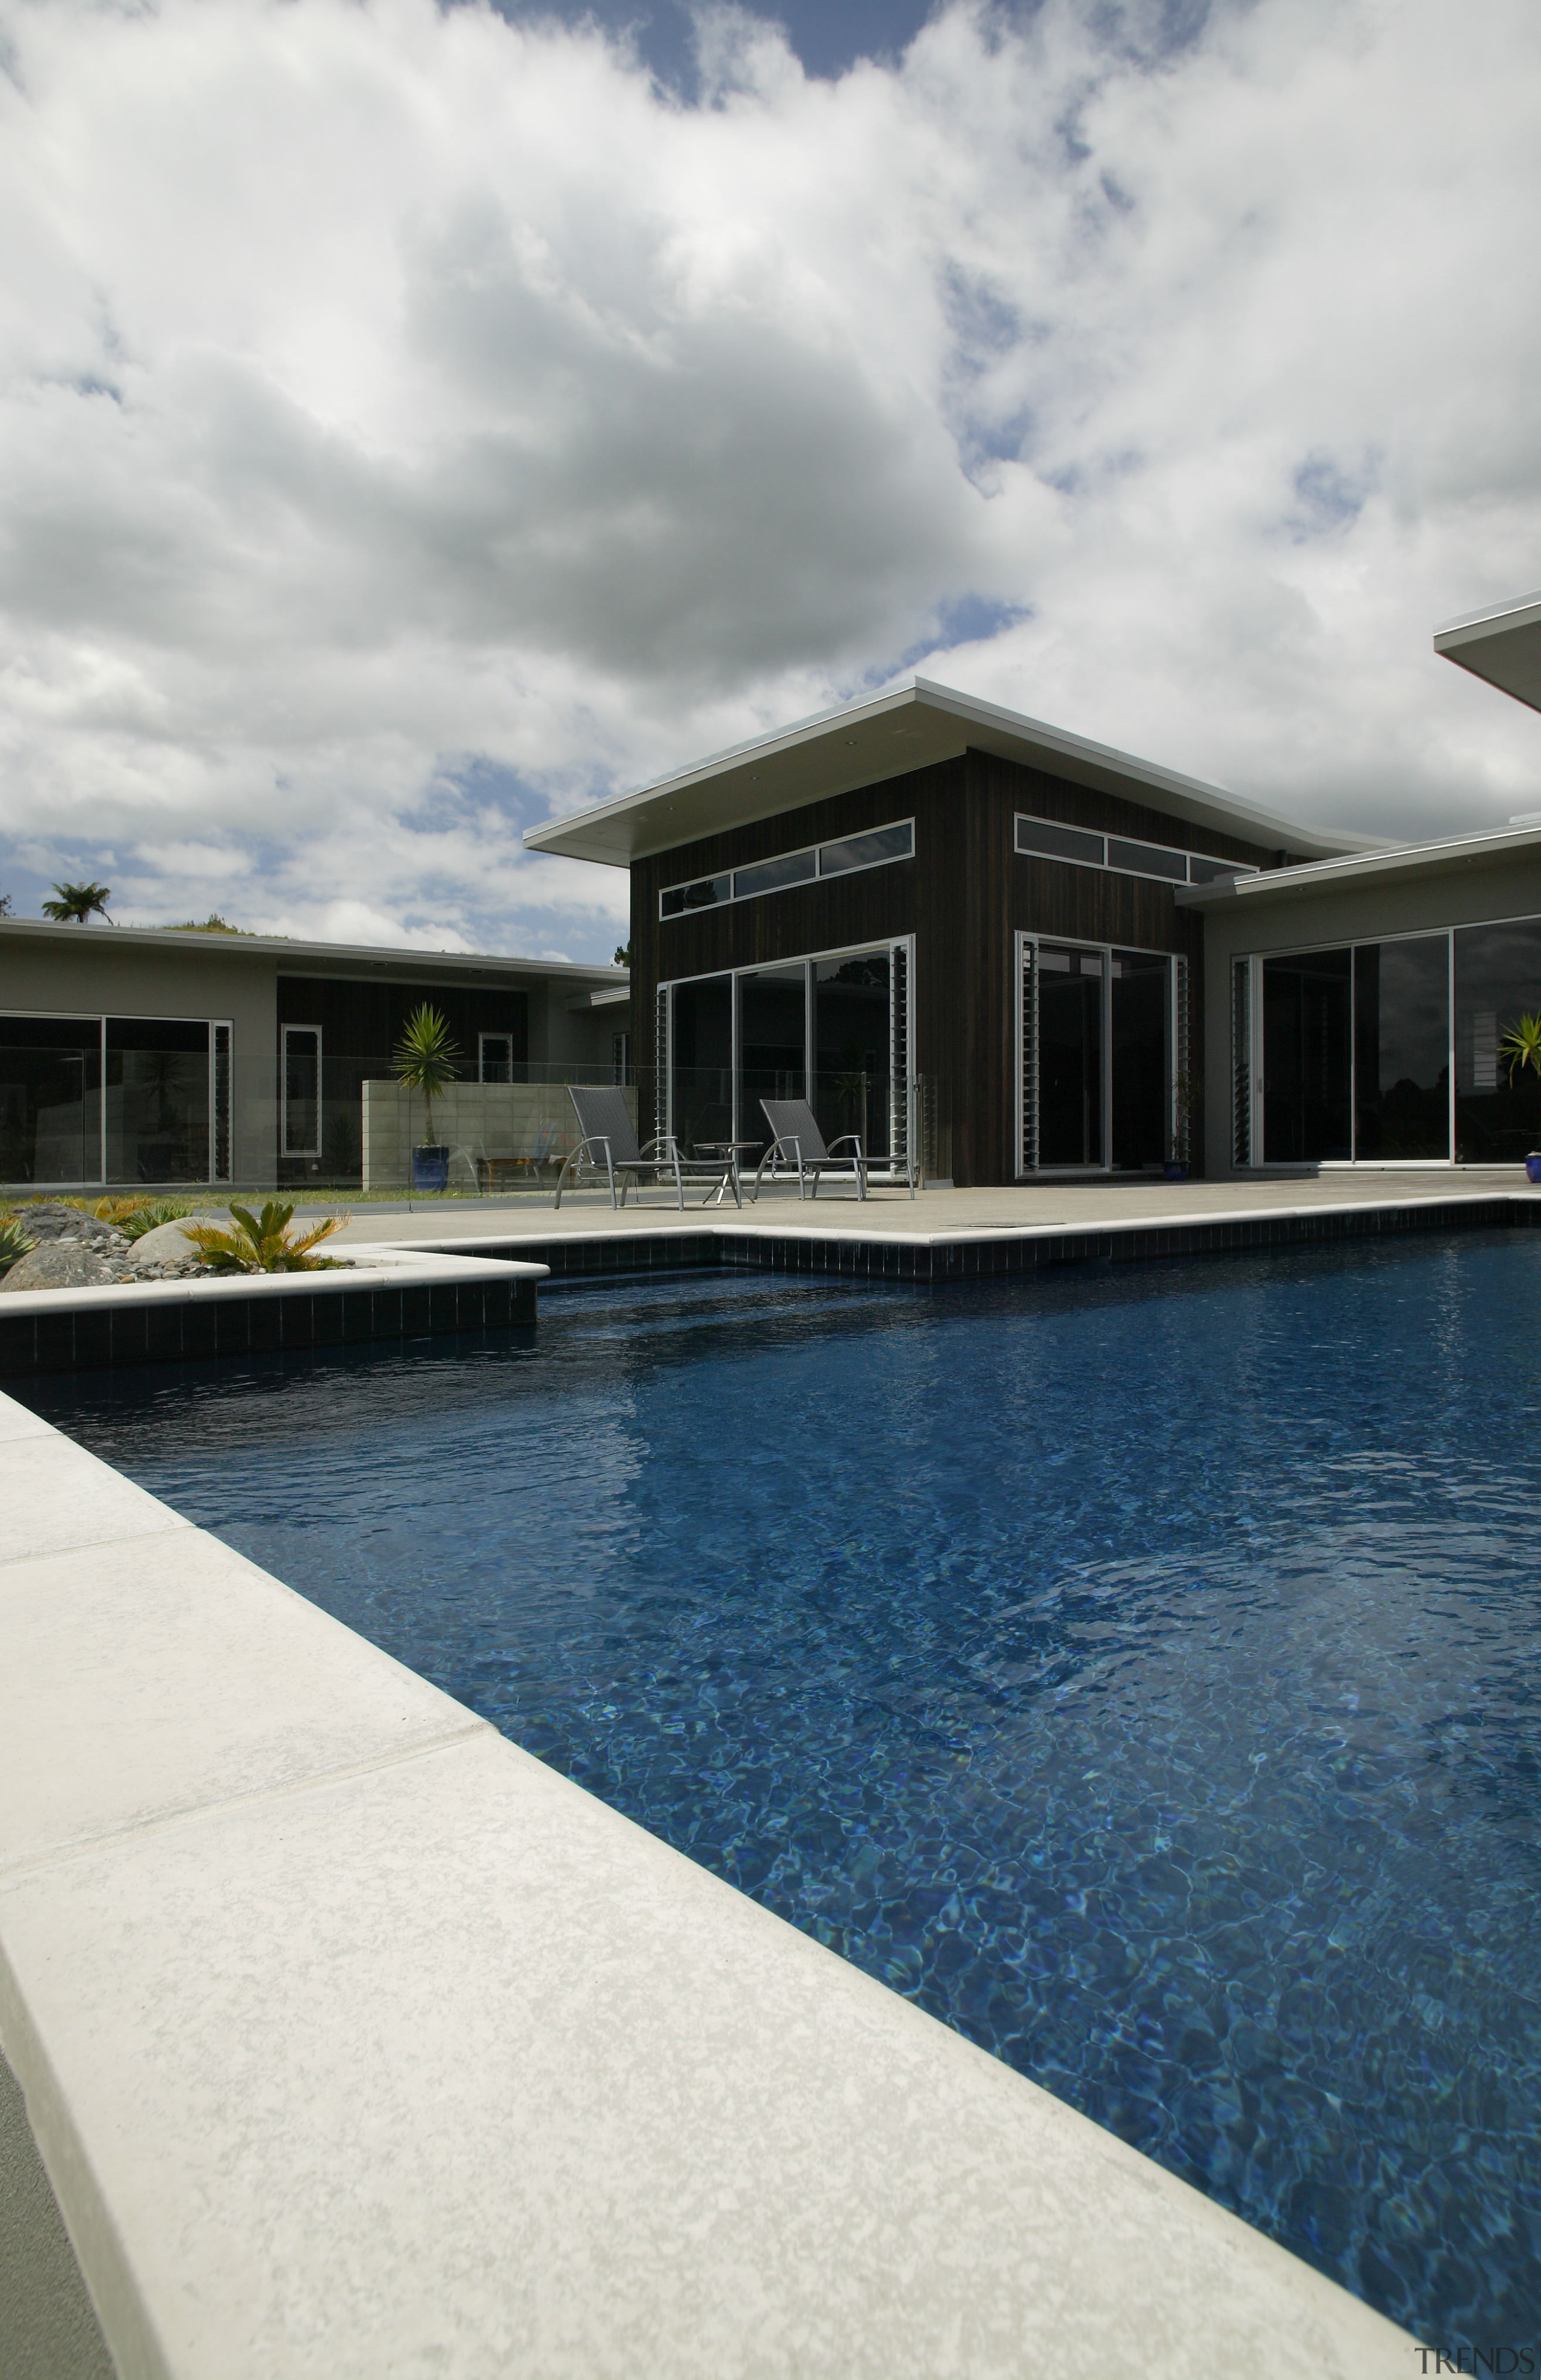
pixel 355 2040
pixel 948 1234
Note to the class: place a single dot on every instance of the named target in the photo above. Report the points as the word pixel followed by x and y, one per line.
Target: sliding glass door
pixel 833 1029
pixel 1355 1045
pixel 1100 1053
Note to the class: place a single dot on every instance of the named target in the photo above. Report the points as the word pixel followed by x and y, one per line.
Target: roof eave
pixel 678 809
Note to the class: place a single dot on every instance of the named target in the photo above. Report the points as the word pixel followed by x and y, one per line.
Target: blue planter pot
pixel 1533 1166
pixel 431 1168
pixel 1174 1171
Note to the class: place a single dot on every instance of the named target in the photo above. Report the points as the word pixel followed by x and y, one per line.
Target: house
pixel 1355 1008
pixel 938 919
pixel 134 1056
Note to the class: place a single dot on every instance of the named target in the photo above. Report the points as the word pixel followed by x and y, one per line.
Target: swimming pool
pixel 1138 1670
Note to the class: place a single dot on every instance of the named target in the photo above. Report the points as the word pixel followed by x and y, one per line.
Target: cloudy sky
pixel 415 420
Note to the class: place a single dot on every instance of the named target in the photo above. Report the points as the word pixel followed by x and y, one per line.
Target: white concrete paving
pixel 942 1214
pixel 356 2041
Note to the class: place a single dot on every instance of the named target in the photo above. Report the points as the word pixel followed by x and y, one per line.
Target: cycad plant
pixel 261 1242
pixel 1522 1046
pixel 73 903
pixel 14 1242
pixel 426 1059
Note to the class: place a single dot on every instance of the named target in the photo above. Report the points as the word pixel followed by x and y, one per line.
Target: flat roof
pixel 908 726
pixel 1445 855
pixel 354 956
pixel 1500 644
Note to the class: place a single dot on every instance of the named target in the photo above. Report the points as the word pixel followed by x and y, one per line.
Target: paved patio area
pixel 943 1214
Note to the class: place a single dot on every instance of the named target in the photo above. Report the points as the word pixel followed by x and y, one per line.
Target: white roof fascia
pixel 1448 854
pixel 277 946
pixel 761 777
pixel 1501 645
pixel 584 1002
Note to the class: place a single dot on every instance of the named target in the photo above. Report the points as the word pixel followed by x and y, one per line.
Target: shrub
pixel 261 1242
pixel 14 1242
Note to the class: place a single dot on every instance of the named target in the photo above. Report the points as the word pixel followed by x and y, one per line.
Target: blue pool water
pixel 1140 1670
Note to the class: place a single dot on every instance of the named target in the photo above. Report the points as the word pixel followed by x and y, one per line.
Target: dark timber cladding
pixel 366 1019
pixel 963 896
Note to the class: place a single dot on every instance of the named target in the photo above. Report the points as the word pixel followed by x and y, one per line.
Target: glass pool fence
pixel 72 1119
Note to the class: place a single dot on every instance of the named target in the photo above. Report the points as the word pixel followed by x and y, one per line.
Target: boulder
pixel 52 1220
pixel 59 1264
pixel 169 1243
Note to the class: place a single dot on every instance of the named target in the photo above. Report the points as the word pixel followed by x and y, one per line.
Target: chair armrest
pixel 841 1138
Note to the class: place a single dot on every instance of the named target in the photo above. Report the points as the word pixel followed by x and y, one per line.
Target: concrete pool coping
pixel 391 1291
pixel 891 1247
pixel 354 2039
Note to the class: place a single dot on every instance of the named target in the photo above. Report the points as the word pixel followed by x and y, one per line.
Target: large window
pixel 1346 1053
pixel 113 1098
pixel 833 1029
pixel 50 1099
pixel 1102 1047
pixel 1497 980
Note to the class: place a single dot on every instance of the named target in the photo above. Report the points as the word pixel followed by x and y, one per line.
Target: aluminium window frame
pixel 899 952
pixel 1256 1087
pixel 893 859
pixel 1024 1071
pixel 285 1152
pixel 1105 866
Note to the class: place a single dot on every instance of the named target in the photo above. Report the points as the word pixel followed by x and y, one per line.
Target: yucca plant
pixel 426 1059
pixel 1522 1046
pixel 261 1242
pixel 14 1242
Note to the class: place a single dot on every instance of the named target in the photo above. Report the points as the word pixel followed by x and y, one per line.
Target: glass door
pixel 1101 1031
pixel 1139 999
pixel 1070 1053
pixel 772 1043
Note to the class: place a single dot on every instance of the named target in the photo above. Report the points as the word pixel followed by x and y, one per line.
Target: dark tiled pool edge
pixel 80 1337
pixel 1015 1253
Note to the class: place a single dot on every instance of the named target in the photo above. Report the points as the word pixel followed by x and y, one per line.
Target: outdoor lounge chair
pixel 796 1139
pixel 608 1142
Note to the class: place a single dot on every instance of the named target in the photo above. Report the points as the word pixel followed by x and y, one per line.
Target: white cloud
pixel 408 418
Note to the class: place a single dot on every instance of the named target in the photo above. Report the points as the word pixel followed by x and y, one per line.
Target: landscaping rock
pixel 59 1264
pixel 51 1219
pixel 168 1243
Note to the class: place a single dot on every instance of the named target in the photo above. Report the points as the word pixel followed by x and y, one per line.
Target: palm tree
pixel 425 1060
pixel 1522 1046
pixel 76 903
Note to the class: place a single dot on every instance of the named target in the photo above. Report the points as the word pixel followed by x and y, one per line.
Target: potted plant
pixel 1184 1099
pixel 426 1059
pixel 1522 1046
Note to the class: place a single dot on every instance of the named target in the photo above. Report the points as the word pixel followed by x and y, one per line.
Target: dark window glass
pixel 496 1057
pixel 705 893
pixel 772 1041
pixel 301 1120
pixel 1043 841
pixel 867 850
pixel 50 1099
pixel 701 1051
pixel 1307 1057
pixel 1148 859
pixel 1402 1048
pixel 851 1048
pixel 770 875
pixel 1141 1065
pixel 1497 980
pixel 1070 1057
pixel 1214 871
pixel 157 1100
